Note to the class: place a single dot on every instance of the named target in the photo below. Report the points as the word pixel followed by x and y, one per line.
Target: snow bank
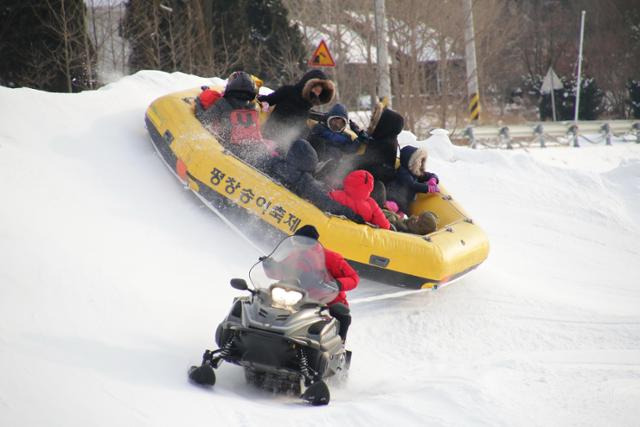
pixel 113 279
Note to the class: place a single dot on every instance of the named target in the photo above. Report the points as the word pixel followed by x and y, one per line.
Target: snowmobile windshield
pixel 297 263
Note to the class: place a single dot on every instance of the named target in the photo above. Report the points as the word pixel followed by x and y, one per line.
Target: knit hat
pixel 307 231
pixel 423 224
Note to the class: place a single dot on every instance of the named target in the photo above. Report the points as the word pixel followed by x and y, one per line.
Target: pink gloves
pixel 433 186
pixel 391 205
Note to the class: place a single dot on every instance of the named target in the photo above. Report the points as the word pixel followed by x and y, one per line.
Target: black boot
pixel 343 315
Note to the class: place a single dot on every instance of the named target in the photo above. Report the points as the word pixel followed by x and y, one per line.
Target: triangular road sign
pixel 551 82
pixel 322 57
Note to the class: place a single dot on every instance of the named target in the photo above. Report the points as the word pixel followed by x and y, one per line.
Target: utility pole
pixel 472 70
pixel 579 78
pixel 382 49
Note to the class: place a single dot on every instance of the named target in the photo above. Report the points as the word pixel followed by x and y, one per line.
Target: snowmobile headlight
pixel 285 298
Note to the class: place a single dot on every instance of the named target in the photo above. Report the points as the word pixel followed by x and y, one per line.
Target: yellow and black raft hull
pixel 241 191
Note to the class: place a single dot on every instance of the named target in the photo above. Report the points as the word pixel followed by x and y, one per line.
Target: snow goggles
pixel 337 123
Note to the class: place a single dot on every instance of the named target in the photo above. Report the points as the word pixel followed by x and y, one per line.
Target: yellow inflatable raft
pixel 246 195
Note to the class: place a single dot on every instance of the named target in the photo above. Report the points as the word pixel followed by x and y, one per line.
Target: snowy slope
pixel 113 278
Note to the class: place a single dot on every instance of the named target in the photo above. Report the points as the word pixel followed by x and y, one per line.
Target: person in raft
pixel 234 119
pixel 288 120
pixel 411 178
pixel 332 142
pixel 295 172
pixel 356 195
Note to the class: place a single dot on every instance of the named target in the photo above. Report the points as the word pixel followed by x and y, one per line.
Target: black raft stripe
pixel 161 144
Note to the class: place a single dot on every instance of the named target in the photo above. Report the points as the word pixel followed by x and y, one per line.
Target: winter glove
pixel 392 206
pixel 361 134
pixel 432 185
pixel 354 127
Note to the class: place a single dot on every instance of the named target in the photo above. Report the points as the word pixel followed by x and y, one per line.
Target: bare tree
pixel 111 48
pixel 74 56
pixel 170 35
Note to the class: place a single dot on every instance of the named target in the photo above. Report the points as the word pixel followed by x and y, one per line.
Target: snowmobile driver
pixel 344 275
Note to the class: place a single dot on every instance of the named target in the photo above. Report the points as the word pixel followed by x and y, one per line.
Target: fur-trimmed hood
pixel 411 158
pixel 312 78
pixel 385 123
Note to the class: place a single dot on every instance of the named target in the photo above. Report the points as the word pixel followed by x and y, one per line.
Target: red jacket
pixel 342 272
pixel 356 195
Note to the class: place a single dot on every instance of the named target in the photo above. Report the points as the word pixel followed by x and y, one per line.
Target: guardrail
pixel 543 133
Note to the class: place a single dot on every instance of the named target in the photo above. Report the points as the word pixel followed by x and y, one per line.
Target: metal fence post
pixel 573 132
pixel 636 128
pixel 504 136
pixel 605 130
pixel 468 132
pixel 539 132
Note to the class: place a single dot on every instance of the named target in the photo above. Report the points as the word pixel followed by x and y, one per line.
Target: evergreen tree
pixel 591 101
pixel 562 109
pixel 256 36
pixel 634 97
pixel 45 45
pixel 562 97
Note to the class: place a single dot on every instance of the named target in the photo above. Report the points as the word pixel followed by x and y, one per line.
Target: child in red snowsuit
pixel 357 196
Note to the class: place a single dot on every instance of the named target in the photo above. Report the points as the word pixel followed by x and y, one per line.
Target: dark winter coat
pixel 217 116
pixel 235 122
pixel 410 178
pixel 382 151
pixel 356 195
pixel 288 120
pixel 295 172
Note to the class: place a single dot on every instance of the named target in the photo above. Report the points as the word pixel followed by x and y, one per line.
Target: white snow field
pixel 113 279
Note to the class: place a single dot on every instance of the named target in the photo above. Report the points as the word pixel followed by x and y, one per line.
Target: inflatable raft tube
pixel 246 195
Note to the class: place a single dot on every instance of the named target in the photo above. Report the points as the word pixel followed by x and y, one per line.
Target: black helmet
pixel 241 82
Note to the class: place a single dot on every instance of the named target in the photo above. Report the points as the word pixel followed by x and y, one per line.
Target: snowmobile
pixel 282 333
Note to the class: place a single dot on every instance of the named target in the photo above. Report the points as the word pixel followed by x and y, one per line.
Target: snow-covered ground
pixel 113 278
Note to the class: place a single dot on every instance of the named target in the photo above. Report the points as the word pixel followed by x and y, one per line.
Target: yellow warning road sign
pixel 322 57
pixel 474 107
